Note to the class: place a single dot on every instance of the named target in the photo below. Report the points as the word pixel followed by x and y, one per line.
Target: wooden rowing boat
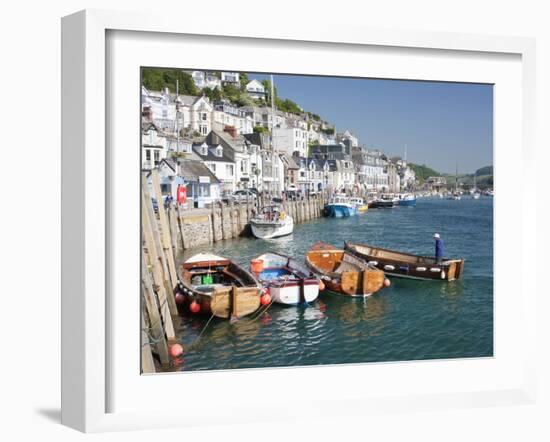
pixel 343 272
pixel 406 265
pixel 219 287
pixel 289 281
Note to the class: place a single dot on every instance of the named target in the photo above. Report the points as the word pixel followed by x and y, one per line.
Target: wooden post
pixel 165 230
pixel 222 220
pixel 232 219
pixel 147 363
pixel 247 209
pixel 214 238
pixel 173 230
pixel 181 228
pixel 154 249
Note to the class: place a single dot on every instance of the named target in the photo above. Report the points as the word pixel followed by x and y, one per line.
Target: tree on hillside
pixel 212 94
pixel 243 77
pixel 156 79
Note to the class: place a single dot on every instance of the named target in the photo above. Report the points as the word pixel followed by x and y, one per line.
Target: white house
pixel 239 149
pixel 218 160
pixel 153 146
pixel 255 89
pixel 205 79
pixel 291 140
pixel 230 77
pixel 228 114
pixel 156 107
pixel 195 113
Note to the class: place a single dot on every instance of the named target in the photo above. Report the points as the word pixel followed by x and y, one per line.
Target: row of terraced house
pixel 216 148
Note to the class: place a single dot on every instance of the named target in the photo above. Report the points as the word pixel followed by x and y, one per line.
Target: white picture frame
pixel 87 213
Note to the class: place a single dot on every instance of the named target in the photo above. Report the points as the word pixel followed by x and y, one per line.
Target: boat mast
pixel 456 179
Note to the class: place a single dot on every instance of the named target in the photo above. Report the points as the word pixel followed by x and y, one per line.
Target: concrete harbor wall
pixel 200 227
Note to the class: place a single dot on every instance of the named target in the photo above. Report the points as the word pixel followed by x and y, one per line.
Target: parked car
pixel 240 196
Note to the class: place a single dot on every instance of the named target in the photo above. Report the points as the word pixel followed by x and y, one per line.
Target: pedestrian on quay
pixel 438 248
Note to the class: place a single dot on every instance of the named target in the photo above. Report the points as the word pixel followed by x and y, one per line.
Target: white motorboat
pixel 271 222
pixel 287 280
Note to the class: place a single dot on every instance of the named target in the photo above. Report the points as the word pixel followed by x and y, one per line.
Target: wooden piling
pixel 155 251
pixel 165 231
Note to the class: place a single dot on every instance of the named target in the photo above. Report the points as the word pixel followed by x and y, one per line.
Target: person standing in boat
pixel 438 248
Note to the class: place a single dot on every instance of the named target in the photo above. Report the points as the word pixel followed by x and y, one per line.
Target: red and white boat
pixel 289 281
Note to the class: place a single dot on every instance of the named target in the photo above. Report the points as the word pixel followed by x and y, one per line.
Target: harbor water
pixel 411 320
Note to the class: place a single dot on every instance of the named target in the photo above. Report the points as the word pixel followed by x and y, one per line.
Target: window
pixel 204 117
pixel 148 154
pixel 212 167
pixel 157 156
pixel 243 166
pixel 203 129
pixel 229 170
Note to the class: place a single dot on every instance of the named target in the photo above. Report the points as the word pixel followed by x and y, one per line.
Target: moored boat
pixel 359 203
pixel 343 272
pixel 407 199
pixel 406 265
pixel 217 286
pixel 288 281
pixel 340 207
pixel 385 201
pixel 271 222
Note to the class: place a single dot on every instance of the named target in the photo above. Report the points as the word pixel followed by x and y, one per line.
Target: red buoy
pixel 195 307
pixel 387 282
pixel 265 299
pixel 180 298
pixel 176 350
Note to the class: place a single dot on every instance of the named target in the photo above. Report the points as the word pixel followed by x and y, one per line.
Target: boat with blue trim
pixel 287 280
pixel 340 207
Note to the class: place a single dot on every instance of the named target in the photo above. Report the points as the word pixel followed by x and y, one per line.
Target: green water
pixel 411 320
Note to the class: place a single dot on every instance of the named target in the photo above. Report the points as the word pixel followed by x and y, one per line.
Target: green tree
pixel 157 79
pixel 212 94
pixel 243 77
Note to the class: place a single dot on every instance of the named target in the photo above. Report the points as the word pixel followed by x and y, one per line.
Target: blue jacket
pixel 439 248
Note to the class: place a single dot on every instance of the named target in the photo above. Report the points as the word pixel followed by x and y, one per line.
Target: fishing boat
pixel 340 207
pixel 271 222
pixel 287 280
pixel 406 265
pixel 217 286
pixel 359 203
pixel 343 272
pixel 407 199
pixel 385 201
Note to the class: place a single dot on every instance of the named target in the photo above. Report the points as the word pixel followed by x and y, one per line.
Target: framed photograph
pixel 282 210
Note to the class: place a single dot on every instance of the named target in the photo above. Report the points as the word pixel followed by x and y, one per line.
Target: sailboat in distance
pixel 475 193
pixel 456 194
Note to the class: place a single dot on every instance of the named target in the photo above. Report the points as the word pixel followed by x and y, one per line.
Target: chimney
pixel 231 130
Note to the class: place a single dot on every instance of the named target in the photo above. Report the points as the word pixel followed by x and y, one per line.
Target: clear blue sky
pixel 442 124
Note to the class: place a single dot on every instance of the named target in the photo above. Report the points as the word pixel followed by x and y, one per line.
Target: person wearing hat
pixel 438 248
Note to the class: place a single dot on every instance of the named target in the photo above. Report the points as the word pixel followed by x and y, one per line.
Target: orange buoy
pixel 195 307
pixel 265 299
pixel 387 282
pixel 321 285
pixel 257 265
pixel 176 350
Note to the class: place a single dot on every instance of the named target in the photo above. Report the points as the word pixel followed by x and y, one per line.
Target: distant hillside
pixel 422 171
pixel 484 178
pixel 487 170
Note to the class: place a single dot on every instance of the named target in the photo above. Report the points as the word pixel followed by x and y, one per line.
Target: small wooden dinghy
pixel 214 285
pixel 406 265
pixel 289 281
pixel 343 272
